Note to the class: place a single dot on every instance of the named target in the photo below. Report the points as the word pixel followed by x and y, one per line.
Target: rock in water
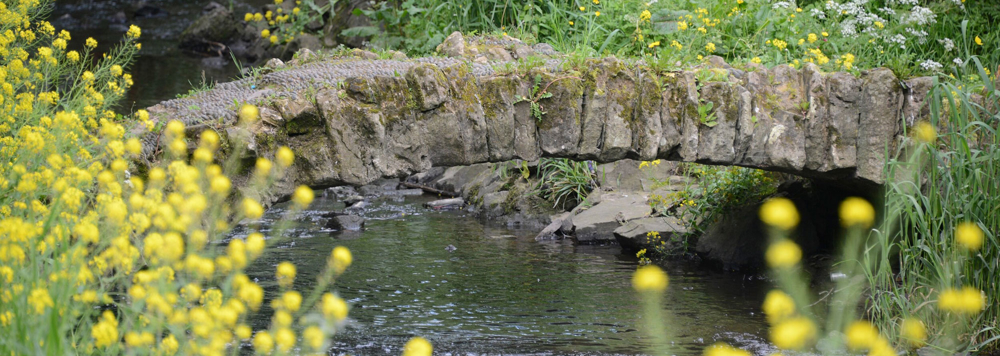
pixel 346 223
pixel 454 203
pixel 633 236
pixel 351 200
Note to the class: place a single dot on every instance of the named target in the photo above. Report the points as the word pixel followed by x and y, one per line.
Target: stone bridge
pixel 352 119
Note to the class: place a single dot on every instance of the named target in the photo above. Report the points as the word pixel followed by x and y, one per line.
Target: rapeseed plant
pixel 96 259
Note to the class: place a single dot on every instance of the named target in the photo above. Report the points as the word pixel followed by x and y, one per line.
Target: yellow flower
pixel 220 185
pixel 418 346
pixel 682 25
pixel 91 42
pixel 856 211
pixel 285 338
pixel 924 132
pixel 645 15
pixel 861 335
pixel 651 45
pixel 273 39
pixel 710 47
pixel 340 259
pixel 302 197
pixel 914 332
pixel 723 349
pixel 597 2
pixel 650 279
pixel 879 24
pixel 169 345
pixel 333 307
pixel 783 254
pixel 255 244
pixel 882 348
pixel 969 300
pixel 40 300
pixel 263 167
pixel 285 274
pixel 73 56
pixel 583 8
pixel 793 334
pixel 597 13
pixel 571 23
pixel 780 213
pixel 969 236
pixel 979 41
pixel 263 343
pixel 249 113
pixel 105 332
pixel 265 33
pixel 313 337
pixel 778 306
pixel 291 300
pixel 824 33
pixel 755 60
pixel 134 32
pixel 252 209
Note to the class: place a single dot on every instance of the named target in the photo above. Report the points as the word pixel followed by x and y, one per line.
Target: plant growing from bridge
pixel 536 94
pixel 706 115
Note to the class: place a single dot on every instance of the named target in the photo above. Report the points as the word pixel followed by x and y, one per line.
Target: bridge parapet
pixel 353 120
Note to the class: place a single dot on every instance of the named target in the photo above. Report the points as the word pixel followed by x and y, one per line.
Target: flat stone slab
pixel 633 236
pixel 598 223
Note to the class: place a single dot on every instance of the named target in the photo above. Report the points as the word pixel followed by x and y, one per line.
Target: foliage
pixel 718 190
pixel 910 37
pixel 565 182
pixel 287 20
pixel 536 95
pixel 95 260
pixel 800 323
pixel 940 181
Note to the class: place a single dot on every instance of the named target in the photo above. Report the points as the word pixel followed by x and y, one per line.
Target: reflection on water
pixel 501 292
pixel 161 71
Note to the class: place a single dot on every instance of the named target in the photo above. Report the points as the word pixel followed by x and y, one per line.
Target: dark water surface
pixel 161 71
pixel 501 292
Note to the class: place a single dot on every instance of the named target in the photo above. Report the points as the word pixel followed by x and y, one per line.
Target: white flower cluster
pixel 857 16
pixel 958 61
pixel 782 5
pixel 921 35
pixel 948 44
pixel 930 65
pixel 920 16
pixel 897 39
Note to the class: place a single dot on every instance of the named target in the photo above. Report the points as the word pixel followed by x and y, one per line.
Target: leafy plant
pixel 565 182
pixel 706 115
pixel 536 95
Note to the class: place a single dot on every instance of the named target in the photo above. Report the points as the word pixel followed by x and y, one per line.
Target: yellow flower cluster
pixel 78 221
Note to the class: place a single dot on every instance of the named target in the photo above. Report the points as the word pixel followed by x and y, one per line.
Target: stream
pixel 500 291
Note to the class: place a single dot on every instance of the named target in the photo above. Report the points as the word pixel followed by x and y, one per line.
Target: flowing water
pixel 499 291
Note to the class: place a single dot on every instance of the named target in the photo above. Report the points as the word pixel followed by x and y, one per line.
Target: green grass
pixel 936 186
pixel 564 182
